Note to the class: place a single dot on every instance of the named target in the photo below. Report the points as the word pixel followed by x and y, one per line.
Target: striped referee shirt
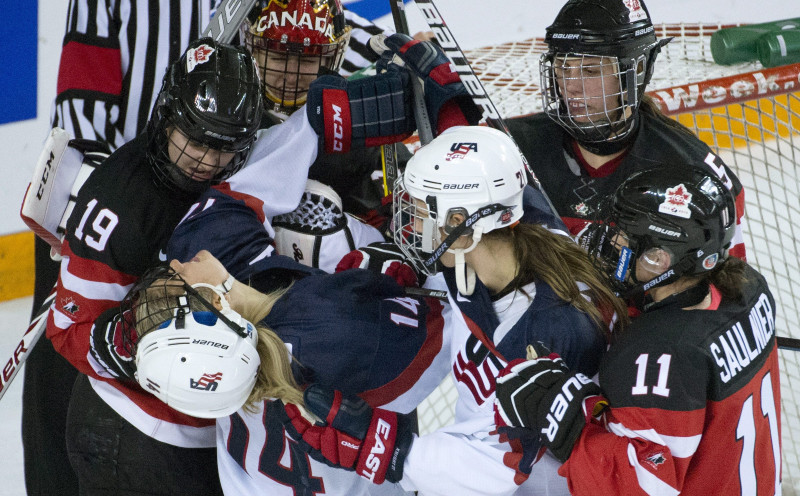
pixel 115 53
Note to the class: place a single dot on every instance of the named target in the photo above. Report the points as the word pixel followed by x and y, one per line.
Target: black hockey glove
pixel 543 395
pixel 110 348
pixel 353 436
pixel 446 97
pixel 382 258
pixel 369 111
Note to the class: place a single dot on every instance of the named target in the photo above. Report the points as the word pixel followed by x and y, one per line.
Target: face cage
pixel 287 69
pixel 205 158
pixel 415 230
pixel 586 117
pixel 160 296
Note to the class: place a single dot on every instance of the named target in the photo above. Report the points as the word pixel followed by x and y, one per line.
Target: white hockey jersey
pixel 469 457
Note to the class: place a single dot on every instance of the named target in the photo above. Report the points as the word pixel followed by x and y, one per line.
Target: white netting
pixel 758 138
pixel 315 213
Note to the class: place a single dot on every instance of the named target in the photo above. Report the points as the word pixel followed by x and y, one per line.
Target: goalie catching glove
pixel 353 435
pixel 543 395
pixel 382 258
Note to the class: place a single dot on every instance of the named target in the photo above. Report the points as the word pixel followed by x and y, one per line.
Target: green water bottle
pixel 734 45
pixel 779 48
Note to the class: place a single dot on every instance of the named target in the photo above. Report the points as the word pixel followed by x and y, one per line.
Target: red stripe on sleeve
pixel 87 67
pixel 255 204
pixel 408 377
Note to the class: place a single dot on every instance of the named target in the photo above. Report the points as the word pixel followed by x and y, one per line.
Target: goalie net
pixel 751 117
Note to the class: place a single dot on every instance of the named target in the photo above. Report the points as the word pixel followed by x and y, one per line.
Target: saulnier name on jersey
pixel 735 350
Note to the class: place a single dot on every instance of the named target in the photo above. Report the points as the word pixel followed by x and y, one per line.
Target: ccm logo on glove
pixel 338 120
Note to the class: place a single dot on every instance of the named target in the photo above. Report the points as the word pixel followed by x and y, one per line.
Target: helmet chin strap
pixel 465 275
pixel 228 315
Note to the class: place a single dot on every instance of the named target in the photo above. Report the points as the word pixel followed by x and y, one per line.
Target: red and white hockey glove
pixel 381 258
pixel 446 97
pixel 353 435
pixel 543 395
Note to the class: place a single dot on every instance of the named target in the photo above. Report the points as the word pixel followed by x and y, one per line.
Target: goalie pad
pixel 318 233
pixel 63 166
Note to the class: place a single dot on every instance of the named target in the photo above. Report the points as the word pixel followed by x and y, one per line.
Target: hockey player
pixel 598 126
pixel 202 130
pixel 234 221
pixel 116 233
pixel 457 210
pixel 692 386
pixel 292 43
pixel 354 330
pixel 113 57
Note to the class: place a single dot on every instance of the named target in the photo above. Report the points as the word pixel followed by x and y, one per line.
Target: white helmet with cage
pixel 201 363
pixel 472 173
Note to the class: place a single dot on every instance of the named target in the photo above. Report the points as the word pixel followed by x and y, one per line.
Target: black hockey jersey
pixel 113 235
pixel 695 403
pixel 578 192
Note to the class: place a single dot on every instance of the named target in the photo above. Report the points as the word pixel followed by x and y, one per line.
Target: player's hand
pixel 543 395
pixel 354 436
pixel 446 97
pixel 364 112
pixel 382 258
pixel 113 340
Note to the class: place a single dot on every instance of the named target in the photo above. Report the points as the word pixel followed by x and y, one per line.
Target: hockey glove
pixel 543 395
pixel 354 436
pixel 382 258
pixel 446 97
pixel 110 347
pixel 370 111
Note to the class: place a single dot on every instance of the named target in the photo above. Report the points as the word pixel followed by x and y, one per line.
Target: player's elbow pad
pixel 365 112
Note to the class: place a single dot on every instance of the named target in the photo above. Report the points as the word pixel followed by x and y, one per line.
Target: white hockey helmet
pixel 474 171
pixel 201 362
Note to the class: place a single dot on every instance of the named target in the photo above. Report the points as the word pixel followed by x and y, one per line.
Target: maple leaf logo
pixel 678 195
pixel 199 55
pixel 656 459
pixel 69 306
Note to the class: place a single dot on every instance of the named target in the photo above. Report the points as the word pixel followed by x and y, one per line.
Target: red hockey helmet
pixel 291 40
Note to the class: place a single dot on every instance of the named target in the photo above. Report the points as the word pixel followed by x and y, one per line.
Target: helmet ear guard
pixel 675 220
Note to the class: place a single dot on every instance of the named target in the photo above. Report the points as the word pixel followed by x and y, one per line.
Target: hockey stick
pixel 420 110
pixel 229 16
pixel 23 348
pixel 462 66
pixel 389 152
pixel 222 27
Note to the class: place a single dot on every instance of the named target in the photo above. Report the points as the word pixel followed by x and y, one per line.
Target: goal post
pixel 750 116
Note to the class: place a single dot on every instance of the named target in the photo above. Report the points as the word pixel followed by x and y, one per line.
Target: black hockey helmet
pixel 212 95
pixel 619 31
pixel 686 213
